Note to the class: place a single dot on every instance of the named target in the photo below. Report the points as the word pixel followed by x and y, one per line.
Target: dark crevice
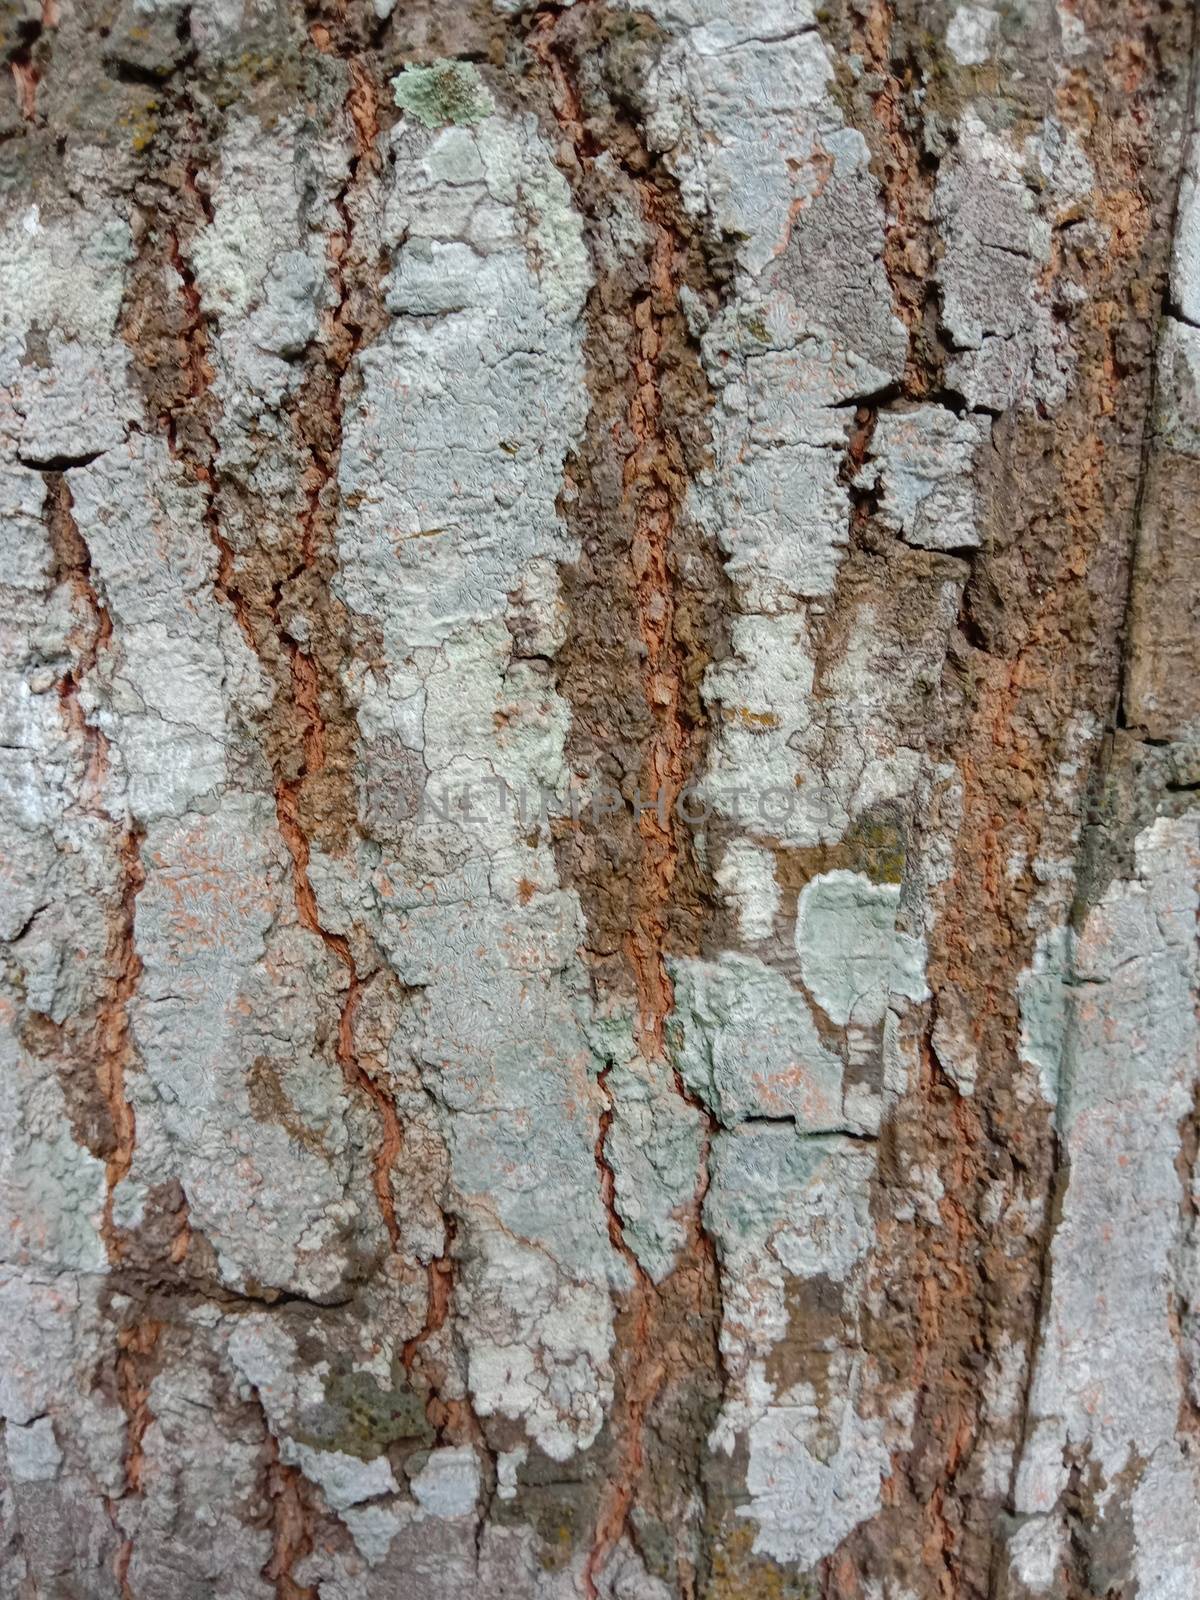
pixel 60 463
pixel 645 601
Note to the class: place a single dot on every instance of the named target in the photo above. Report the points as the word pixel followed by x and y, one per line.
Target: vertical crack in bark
pixel 355 320
pixel 362 108
pixel 909 178
pixel 112 1041
pixel 299 698
pixel 453 1419
pixel 135 1351
pixel 1118 718
pixel 291 1523
pixel 944 1299
pixel 328 743
pixel 654 478
pixel 116 1043
pixel 1115 752
pixel 641 714
pixel 642 1379
pixel 441 1287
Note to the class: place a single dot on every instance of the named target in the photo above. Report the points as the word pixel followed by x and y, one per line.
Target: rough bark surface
pixel 598 872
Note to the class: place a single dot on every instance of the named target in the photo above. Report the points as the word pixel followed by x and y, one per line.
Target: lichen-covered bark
pixel 598 873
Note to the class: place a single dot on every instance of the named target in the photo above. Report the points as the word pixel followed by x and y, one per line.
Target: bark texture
pixel 598 879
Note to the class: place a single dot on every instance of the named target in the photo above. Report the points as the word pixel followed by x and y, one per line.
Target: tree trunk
pixel 600 722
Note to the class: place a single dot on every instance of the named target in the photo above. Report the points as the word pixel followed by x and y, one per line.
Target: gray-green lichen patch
pixel 452 455
pixel 816 775
pixel 852 955
pixel 811 324
pixel 32 1450
pixel 801 1201
pixel 52 1213
pixel 1177 391
pixel 209 1006
pixel 53 1191
pixel 653 1146
pixel 455 434
pixel 1114 1353
pixel 64 278
pixel 745 1042
pixel 444 92
pixel 1013 350
pixel 1045 1000
pixel 154 564
pixel 923 462
pixel 202 1511
pixel 1185 263
pixel 448 1483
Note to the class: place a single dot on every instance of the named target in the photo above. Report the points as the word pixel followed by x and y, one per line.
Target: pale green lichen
pixel 852 955
pixel 446 91
pixel 744 1040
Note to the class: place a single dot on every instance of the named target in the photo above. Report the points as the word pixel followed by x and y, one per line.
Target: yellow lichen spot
pixel 879 851
pixel 738 1574
pixel 759 721
pixel 140 125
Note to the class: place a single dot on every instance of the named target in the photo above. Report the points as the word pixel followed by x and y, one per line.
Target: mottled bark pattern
pixel 747 1148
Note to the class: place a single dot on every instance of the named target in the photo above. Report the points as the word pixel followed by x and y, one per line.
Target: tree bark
pixel 601 717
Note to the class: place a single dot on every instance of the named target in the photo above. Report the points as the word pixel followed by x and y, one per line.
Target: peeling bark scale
pixel 598 854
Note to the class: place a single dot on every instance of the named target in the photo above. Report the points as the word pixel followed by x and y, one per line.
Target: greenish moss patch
pixel 363 1418
pixel 447 91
